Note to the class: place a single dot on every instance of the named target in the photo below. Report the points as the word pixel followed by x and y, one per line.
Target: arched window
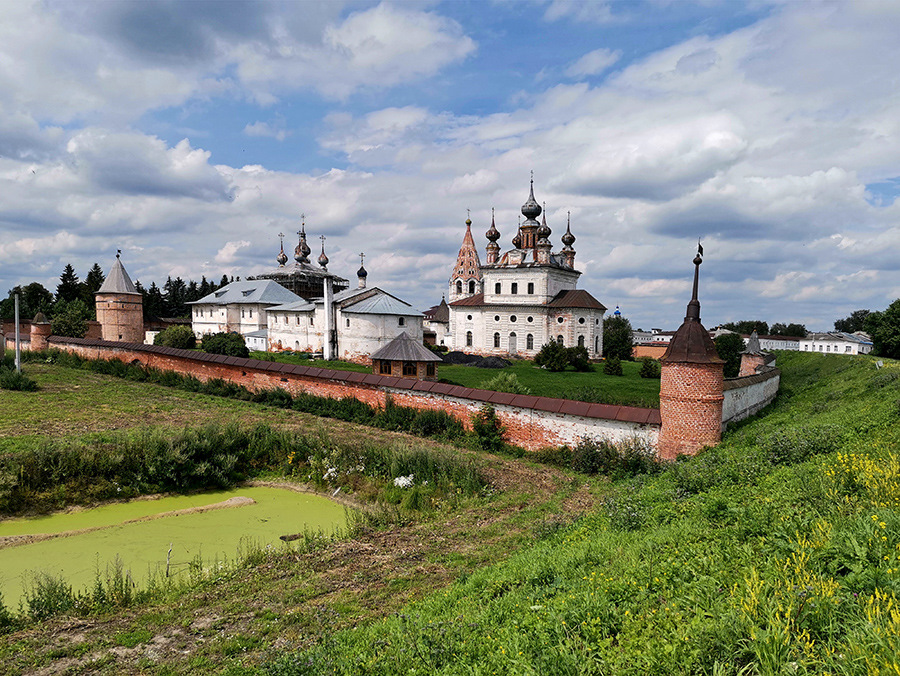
pixel 458 287
pixel 471 286
pixel 468 339
pixel 496 340
pixel 596 344
pixel 512 346
pixel 529 342
pixel 559 339
pixel 580 341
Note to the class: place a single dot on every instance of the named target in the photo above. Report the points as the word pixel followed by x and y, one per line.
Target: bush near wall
pixel 230 344
pixel 179 336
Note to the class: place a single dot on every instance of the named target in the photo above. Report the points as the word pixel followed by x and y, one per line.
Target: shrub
pixel 506 382
pixel 552 356
pixel 70 318
pixel 612 366
pixel 10 379
pixel 230 344
pixel 649 368
pixel 729 347
pixel 578 358
pixel 629 458
pixel 179 336
pixel 488 429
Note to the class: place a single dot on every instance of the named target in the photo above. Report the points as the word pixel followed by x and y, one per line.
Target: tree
pixel 855 322
pixel 175 293
pixel 231 344
pixel 748 326
pixel 612 366
pixel 91 286
pixel 650 368
pixel 180 336
pixel 618 338
pixel 729 347
pixel 69 318
pixel 578 358
pixel 885 330
pixel 552 356
pixel 154 303
pixel 792 330
pixel 33 298
pixel 69 288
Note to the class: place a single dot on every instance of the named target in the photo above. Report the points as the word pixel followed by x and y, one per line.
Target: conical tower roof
pixel 118 281
pixel 691 342
pixel 468 264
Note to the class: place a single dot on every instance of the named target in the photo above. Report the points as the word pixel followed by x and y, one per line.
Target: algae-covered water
pixel 142 547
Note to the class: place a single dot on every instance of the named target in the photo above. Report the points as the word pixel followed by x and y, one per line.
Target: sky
pixel 190 134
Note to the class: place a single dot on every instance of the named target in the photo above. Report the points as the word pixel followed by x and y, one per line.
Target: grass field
pixel 778 552
pixel 595 386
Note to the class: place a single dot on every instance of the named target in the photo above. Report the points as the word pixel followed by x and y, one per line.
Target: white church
pixel 520 299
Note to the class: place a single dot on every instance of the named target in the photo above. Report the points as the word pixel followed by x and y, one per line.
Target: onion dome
pixel 492 234
pixel 281 257
pixel 517 240
pixel 568 239
pixel 531 209
pixel 543 231
pixel 618 312
pixel 301 253
pixel 323 259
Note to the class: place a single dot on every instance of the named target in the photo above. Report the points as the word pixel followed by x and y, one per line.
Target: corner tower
pixel 465 280
pixel 692 385
pixel 120 307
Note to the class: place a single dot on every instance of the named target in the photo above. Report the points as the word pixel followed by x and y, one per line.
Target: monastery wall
pixel 531 422
pixel 748 395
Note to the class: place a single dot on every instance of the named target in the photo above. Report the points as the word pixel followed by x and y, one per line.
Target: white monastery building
pixel 350 324
pixel 521 299
pixel 837 342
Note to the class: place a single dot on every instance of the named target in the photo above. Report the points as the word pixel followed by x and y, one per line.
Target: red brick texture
pixel 531 422
pixel 39 335
pixel 690 406
pixel 121 317
pixel 749 364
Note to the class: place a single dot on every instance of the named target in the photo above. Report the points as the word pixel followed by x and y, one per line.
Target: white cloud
pixel 228 253
pixel 274 130
pixel 594 63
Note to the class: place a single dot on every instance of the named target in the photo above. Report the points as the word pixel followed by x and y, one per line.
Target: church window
pixel 597 322
pixel 531 319
pixel 596 343
pixel 458 287
pixel 242 313
pixel 297 345
pixel 401 321
pixel 559 339
pixel 468 339
pixel 512 318
pixel 409 368
pixel 514 289
pixel 581 320
pixel 312 321
pixel 560 320
pixel 496 318
pixel 251 313
pixel 530 287
pixel 471 287
pixel 429 370
pixel 298 320
pixel 348 322
pixel 580 341
pixel 529 342
pixel 469 317
pixel 384 367
pixel 497 287
pixel 496 340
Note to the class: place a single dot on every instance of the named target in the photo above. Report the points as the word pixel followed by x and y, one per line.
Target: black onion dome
pixel 281 257
pixel 517 240
pixel 568 239
pixel 362 272
pixel 492 234
pixel 543 231
pixel 531 209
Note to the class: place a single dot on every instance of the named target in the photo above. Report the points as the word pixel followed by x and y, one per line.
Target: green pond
pixel 142 547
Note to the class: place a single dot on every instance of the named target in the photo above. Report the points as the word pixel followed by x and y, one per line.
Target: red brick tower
pixel 120 307
pixel 465 280
pixel 40 331
pixel 691 387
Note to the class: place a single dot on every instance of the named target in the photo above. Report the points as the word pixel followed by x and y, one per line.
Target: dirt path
pixel 289 601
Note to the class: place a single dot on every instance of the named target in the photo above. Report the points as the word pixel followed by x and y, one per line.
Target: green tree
pixel 231 344
pixel 154 303
pixel 748 326
pixel 180 336
pixel 618 338
pixel 884 328
pixel 792 330
pixel 612 366
pixel 69 318
pixel 855 322
pixel 729 347
pixel 33 298
pixel 578 358
pixel 69 288
pixel 552 356
pixel 91 286
pixel 650 368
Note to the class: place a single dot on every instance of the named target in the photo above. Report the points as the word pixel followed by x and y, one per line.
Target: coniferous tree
pixel 69 288
pixel 154 303
pixel 223 281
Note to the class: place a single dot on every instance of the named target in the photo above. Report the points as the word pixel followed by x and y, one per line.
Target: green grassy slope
pixel 777 552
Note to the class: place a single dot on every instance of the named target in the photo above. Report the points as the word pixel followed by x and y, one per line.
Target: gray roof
pixel 261 333
pixel 118 281
pixel 404 348
pixel 753 345
pixel 382 304
pixel 297 306
pixel 249 291
pixel 839 335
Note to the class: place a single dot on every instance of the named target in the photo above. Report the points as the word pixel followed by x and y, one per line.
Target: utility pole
pixel 18 350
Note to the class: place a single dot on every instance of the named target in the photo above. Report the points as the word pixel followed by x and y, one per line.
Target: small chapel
pixel 518 300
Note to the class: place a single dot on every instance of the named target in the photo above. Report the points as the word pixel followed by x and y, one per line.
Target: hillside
pixel 776 552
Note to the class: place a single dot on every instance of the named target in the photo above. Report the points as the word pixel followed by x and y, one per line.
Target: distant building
pixel 239 307
pixel 120 307
pixel 436 324
pixel 302 278
pixel 837 342
pixel 519 300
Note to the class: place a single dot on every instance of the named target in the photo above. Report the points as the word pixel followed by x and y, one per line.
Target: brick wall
pixel 690 402
pixel 531 422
